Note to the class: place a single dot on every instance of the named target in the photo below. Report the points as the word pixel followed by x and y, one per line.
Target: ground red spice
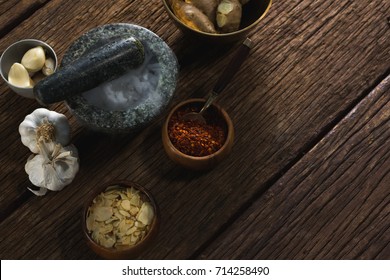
pixel 196 139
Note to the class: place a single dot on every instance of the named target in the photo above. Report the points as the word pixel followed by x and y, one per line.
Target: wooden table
pixel 309 174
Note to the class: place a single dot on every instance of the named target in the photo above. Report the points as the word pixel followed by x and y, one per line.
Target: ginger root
pixel 208 7
pixel 229 15
pixel 192 16
pixel 211 16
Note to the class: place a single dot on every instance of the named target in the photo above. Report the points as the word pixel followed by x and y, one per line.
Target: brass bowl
pixel 252 13
pixel 203 162
pixel 129 252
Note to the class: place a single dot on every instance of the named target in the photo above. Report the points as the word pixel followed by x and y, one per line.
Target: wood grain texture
pixel 13 12
pixel 333 204
pixel 312 63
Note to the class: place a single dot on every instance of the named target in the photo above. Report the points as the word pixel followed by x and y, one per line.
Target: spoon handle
pixel 213 95
pixel 233 66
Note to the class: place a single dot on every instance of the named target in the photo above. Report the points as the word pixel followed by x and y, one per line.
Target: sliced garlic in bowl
pixel 120 220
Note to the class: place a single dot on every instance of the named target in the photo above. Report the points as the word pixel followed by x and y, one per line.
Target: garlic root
pixel 49 125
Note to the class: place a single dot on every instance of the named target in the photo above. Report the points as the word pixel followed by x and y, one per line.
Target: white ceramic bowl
pixel 14 53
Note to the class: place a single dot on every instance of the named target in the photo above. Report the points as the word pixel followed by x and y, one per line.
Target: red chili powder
pixel 194 138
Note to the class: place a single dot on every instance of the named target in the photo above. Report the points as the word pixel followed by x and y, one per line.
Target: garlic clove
pixel 34 59
pixel 18 76
pixel 48 67
pixel 33 168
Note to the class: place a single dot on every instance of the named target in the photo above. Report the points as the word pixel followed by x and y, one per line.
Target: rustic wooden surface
pixel 334 203
pixel 303 105
pixel 13 12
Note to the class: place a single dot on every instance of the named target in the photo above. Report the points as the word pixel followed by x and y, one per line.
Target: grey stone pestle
pixel 107 62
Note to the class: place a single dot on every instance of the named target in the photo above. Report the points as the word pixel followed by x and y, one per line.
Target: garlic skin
pixel 49 125
pixel 53 168
pixel 34 59
pixel 18 76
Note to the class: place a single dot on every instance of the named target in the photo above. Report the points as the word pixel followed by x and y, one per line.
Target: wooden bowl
pixel 129 252
pixel 202 162
pixel 252 13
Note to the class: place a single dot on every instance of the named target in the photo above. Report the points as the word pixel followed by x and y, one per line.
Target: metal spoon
pixel 223 81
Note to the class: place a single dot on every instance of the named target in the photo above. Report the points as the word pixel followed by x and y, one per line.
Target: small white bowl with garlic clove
pixel 25 63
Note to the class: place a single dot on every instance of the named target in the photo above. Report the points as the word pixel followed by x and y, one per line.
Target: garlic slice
pixel 146 214
pixel 34 59
pixel 103 213
pixel 18 76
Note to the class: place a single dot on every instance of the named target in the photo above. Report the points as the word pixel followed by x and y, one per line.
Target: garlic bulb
pixel 19 77
pixel 50 125
pixel 53 168
pixel 34 59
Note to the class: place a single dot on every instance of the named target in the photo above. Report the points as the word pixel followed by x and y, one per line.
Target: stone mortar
pixel 136 118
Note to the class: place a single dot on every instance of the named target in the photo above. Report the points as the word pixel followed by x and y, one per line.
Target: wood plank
pixel 333 204
pixel 13 12
pixel 310 63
